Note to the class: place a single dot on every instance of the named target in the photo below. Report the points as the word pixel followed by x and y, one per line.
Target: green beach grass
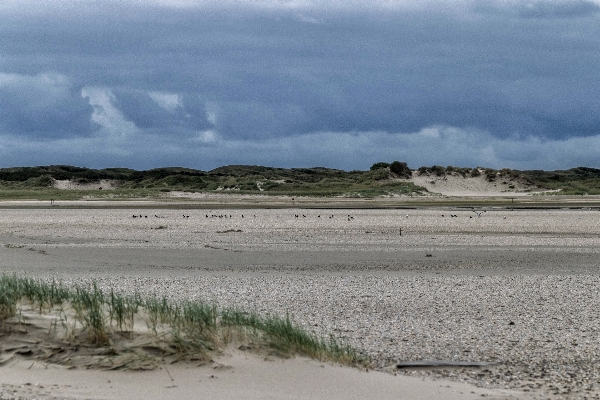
pixel 188 328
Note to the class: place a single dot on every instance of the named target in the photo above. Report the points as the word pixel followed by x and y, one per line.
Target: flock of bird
pixel 298 216
pixel 350 218
pixel 470 216
pixel 229 216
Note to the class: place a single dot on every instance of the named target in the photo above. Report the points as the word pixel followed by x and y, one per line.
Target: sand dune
pixel 37 363
pixel 451 184
pixel 103 184
pixel 479 186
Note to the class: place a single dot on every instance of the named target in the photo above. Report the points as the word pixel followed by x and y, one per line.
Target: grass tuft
pixel 89 308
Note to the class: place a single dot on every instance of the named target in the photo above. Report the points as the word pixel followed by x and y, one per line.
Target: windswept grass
pixel 189 327
pixel 122 310
pixel 45 296
pixel 9 296
pixel 285 336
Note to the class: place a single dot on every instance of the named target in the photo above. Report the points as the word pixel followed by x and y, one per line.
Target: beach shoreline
pixel 209 201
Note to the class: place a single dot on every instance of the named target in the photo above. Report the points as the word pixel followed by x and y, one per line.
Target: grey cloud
pixel 45 105
pixel 538 9
pixel 558 9
pixel 140 108
pixel 346 150
pixel 276 75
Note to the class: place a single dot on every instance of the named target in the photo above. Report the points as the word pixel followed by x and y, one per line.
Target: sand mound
pixel 458 185
pixel 38 362
pixel 56 338
pixel 102 184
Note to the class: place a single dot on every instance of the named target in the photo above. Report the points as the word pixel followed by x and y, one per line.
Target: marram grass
pixel 186 326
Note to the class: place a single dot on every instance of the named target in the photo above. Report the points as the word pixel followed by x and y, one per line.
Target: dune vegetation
pixel 141 332
pixel 382 179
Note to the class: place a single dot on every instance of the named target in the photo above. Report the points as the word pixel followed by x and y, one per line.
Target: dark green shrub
pixel 438 170
pixel 490 174
pixel 400 168
pixel 379 165
pixel 248 186
pixel 509 173
pixel 40 181
pixel 269 185
pixel 463 171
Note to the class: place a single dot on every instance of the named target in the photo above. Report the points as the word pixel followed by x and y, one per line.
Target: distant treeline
pixel 381 178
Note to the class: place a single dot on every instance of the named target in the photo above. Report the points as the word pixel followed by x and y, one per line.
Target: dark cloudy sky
pixel 333 83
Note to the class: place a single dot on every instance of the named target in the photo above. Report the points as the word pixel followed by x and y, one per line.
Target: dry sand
pixel 516 287
pixel 36 364
pixel 237 375
pixel 479 186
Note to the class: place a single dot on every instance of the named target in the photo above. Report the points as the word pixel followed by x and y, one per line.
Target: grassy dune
pixel 38 182
pixel 152 329
pixel 381 180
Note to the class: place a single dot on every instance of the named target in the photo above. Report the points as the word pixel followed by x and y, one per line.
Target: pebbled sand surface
pixel 518 288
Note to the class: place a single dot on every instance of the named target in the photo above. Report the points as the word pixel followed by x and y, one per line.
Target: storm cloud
pixel 298 84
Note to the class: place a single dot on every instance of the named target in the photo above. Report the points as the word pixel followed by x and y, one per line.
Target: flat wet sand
pixel 161 241
pixel 513 287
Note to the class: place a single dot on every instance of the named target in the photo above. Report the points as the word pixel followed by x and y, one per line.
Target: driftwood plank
pixel 444 364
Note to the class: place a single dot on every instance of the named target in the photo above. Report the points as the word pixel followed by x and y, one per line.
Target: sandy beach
pixel 513 288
